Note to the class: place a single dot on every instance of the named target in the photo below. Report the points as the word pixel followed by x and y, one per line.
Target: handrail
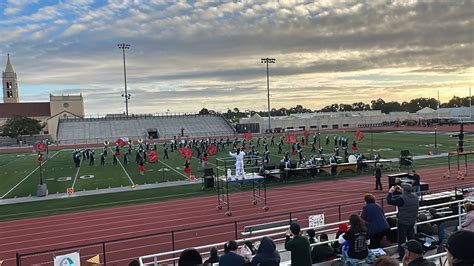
pixel 156 255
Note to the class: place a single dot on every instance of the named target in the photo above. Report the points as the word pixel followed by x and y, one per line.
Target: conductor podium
pixel 227 178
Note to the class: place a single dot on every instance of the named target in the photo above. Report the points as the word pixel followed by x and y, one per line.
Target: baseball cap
pixel 413 246
pixel 406 187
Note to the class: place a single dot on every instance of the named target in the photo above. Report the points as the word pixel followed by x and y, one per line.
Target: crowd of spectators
pixel 355 241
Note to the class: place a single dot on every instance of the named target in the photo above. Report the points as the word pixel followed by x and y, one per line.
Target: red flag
pixel 212 149
pixel 120 142
pixel 40 146
pixel 359 135
pixel 291 139
pixel 185 152
pixel 354 148
pixel 306 134
pixel 152 156
pixel 247 136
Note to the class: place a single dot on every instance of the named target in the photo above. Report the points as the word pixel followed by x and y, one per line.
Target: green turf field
pixel 20 174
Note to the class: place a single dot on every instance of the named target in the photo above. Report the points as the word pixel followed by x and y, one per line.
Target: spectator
pixel 416 182
pixel 190 257
pixel 322 252
pixel 425 228
pixel 134 263
pixel 298 246
pixel 266 253
pixel 311 235
pixel 408 205
pixel 251 247
pixel 342 228
pixel 214 258
pixel 357 238
pixel 461 249
pixel 231 258
pixel 414 255
pixel 386 261
pixel 469 219
pixel 374 216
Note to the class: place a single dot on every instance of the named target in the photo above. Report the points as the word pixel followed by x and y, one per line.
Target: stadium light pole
pixel 123 47
pixel 268 61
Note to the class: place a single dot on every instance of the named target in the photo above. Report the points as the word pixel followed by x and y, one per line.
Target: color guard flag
pixel 121 141
pixel 306 134
pixel 94 260
pixel 152 156
pixel 247 136
pixel 40 147
pixel 291 139
pixel 359 135
pixel 185 152
pixel 212 149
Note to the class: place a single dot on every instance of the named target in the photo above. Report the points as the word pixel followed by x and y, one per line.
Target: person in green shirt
pixel 298 246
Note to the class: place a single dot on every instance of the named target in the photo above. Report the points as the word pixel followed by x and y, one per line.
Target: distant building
pixel 46 112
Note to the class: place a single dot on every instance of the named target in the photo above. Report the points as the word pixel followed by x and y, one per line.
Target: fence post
pixel 339 208
pixel 235 228
pixel 18 259
pixel 172 244
pixel 291 218
pixel 103 252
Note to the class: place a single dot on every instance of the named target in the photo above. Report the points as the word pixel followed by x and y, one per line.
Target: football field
pixel 20 172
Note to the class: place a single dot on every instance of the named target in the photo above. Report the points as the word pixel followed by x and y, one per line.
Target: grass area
pixel 19 173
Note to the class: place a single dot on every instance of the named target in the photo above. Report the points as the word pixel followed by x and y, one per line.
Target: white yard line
pixel 125 171
pixel 77 172
pixel 174 169
pixel 26 177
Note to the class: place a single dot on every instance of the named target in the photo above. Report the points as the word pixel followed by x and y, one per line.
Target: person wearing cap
pixel 460 248
pixel 408 204
pixel 414 254
pixel 298 246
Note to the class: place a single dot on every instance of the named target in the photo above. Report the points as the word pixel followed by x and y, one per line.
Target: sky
pixel 186 55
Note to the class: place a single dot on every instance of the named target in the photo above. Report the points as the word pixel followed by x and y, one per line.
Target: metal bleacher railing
pixel 173 256
pixel 233 230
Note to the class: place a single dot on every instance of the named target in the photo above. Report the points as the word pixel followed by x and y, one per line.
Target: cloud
pixel 209 51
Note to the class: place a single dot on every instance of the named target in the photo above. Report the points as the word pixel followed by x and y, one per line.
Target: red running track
pixel 59 231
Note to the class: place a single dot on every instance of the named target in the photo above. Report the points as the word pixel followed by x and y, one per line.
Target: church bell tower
pixel 10 84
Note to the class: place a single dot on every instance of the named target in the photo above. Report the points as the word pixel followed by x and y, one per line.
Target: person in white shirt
pixel 239 162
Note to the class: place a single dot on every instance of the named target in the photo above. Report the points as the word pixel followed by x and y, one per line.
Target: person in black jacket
pixel 267 254
pixel 322 252
pixel 214 258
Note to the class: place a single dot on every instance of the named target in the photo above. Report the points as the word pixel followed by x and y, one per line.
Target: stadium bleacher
pixel 278 231
pixel 96 130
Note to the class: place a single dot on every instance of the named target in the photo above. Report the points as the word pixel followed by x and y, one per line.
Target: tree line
pixel 380 104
